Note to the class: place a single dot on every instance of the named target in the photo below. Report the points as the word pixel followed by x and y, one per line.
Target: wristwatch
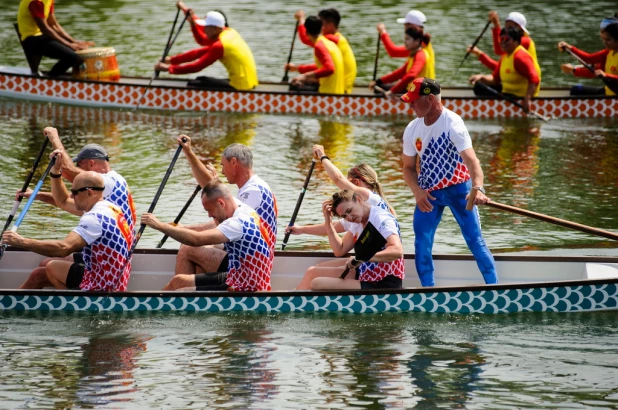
pixel 480 188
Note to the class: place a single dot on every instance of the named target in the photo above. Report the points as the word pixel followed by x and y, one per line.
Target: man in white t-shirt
pixel 236 164
pixel 92 157
pixel 238 228
pixel 103 235
pixel 448 168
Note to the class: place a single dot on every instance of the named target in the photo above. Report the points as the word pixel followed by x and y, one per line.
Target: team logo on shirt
pixel 613 68
pixel 418 144
pixel 244 196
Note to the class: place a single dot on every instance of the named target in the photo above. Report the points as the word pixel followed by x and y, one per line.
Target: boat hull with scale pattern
pixel 275 98
pixel 528 284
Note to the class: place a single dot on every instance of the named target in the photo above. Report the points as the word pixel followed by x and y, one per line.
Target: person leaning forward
pixel 102 234
pixel 237 166
pixel 42 35
pixel 228 47
pixel 330 29
pixel 327 74
pixel 238 229
pixel 517 74
pixel 449 169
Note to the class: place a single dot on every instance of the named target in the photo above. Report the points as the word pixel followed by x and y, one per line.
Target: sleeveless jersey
pixel 109 239
pixel 349 62
pixel 238 60
pixel 334 83
pixel 25 22
pixel 513 82
pixel 611 67
pixel 427 69
pixel 250 257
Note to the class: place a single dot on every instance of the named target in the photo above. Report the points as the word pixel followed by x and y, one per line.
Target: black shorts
pixel 389 282
pixel 211 281
pixel 75 276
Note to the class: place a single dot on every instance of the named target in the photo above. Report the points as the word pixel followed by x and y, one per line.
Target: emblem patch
pixel 418 144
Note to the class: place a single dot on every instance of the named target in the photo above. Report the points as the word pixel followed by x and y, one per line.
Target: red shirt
pixel 598 59
pixel 197 59
pixel 405 76
pixel 523 65
pixel 394 50
pixel 323 56
pixel 37 9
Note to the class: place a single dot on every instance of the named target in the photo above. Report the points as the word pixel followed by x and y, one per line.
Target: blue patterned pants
pixel 426 223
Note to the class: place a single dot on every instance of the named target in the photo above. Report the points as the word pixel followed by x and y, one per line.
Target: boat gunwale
pixel 297 93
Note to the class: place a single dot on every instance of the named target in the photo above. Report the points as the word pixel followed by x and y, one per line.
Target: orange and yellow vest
pixel 611 67
pixel 238 60
pixel 427 69
pixel 26 24
pixel 349 62
pixel 431 61
pixel 513 82
pixel 334 83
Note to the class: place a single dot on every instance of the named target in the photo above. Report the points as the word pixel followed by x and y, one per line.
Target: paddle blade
pixel 369 242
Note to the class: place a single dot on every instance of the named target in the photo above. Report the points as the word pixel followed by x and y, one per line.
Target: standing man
pixel 102 234
pixel 237 166
pixel 448 168
pixel 239 228
pixel 327 74
pixel 330 29
pixel 42 35
pixel 228 47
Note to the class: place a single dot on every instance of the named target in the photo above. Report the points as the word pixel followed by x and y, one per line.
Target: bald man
pixel 103 234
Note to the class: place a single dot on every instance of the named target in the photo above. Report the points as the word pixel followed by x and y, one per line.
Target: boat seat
pixel 601 270
pixel 33 59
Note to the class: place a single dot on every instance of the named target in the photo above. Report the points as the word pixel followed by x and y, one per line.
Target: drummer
pixel 228 47
pixel 41 34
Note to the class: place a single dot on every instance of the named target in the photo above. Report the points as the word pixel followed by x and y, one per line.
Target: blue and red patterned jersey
pixel 438 146
pixel 387 225
pixel 117 192
pixel 250 255
pixel 257 194
pixel 109 239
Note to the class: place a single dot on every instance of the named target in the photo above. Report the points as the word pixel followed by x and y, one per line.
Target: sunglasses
pixel 94 188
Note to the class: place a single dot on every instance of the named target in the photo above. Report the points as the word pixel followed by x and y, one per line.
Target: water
pixel 565 168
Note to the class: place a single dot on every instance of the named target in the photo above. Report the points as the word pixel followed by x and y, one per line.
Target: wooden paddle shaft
pixel 471 196
pixel 556 221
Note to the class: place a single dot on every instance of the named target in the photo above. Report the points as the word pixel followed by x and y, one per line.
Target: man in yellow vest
pixel 517 74
pixel 42 35
pixel 227 47
pixel 327 73
pixel 330 29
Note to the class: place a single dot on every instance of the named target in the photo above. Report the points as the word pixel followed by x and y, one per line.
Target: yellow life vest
pixel 334 83
pixel 349 62
pixel 611 67
pixel 513 82
pixel 26 24
pixel 425 72
pixel 238 60
pixel 532 51
pixel 431 62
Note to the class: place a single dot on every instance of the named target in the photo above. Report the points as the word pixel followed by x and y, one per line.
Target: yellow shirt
pixel 611 67
pixel 349 62
pixel 25 22
pixel 334 83
pixel 238 60
pixel 513 82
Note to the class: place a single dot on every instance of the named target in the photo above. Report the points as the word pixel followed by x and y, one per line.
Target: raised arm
pixel 336 175
pixel 202 173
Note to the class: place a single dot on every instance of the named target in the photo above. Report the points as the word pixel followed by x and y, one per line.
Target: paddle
pixel 285 76
pixel 298 202
pixel 23 212
pixel 168 47
pixel 25 186
pixel 556 221
pixel 471 47
pixel 375 62
pixel 512 101
pixel 181 213
pixel 610 83
pixel 367 245
pixel 168 44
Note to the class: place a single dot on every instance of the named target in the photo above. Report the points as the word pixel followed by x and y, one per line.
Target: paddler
pixel 327 74
pixel 228 47
pixel 330 30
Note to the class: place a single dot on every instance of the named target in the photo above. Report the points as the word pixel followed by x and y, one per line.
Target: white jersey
pixel 438 146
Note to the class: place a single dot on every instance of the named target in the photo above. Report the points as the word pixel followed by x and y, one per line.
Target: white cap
pixel 413 17
pixel 518 19
pixel 213 18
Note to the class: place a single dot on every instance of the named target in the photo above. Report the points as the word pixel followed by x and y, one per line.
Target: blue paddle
pixel 23 212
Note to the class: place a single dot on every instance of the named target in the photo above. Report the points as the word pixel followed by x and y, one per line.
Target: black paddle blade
pixel 369 243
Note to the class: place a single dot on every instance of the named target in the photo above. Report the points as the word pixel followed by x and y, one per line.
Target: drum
pixel 99 64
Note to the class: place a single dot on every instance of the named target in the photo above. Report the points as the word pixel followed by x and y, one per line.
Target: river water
pixel 565 168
